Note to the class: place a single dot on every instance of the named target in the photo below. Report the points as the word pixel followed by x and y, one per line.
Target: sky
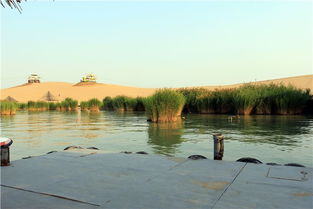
pixel 156 43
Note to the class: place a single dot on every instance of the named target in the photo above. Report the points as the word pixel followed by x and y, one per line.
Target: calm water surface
pixel 280 139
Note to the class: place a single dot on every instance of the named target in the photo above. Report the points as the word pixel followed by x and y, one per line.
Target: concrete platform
pixel 90 179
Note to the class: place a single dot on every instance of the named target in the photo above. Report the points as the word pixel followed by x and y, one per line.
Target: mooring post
pixel 5 150
pixel 218 146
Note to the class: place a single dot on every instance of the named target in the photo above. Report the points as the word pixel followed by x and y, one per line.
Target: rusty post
pixel 5 156
pixel 218 146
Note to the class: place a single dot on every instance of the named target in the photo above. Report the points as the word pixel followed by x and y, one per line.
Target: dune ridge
pixel 82 91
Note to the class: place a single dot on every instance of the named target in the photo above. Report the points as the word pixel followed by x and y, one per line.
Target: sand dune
pixel 301 82
pixel 81 92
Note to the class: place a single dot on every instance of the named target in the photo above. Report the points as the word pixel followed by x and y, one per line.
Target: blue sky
pixel 156 44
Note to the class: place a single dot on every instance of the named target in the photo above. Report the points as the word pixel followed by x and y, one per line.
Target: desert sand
pixel 85 91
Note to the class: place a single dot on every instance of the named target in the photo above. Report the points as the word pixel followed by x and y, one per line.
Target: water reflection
pixel 272 138
pixel 277 130
pixel 165 138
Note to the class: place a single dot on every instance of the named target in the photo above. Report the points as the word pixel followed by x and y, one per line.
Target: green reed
pixel 248 99
pixel 165 105
pixel 8 108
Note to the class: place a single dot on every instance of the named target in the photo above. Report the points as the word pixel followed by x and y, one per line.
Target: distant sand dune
pixel 85 91
pixel 301 82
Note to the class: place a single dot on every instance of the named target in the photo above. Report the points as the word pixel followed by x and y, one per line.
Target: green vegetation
pixel 92 105
pixel 107 103
pixel 165 105
pixel 37 106
pixel 247 99
pixel 8 108
pixel 52 106
pixel 84 106
pixel 21 106
pixel 192 96
pixel 140 104
pixel 68 104
pixel 124 103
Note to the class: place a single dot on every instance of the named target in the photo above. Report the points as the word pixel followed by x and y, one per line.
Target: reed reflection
pixel 165 138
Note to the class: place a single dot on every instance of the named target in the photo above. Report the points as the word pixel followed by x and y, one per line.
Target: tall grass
pixel 107 103
pixel 140 104
pixel 8 108
pixel 92 105
pixel 165 105
pixel 248 99
pixel 218 101
pixel 52 106
pixel 21 106
pixel 123 103
pixel 192 96
pixel 37 106
pixel 84 106
pixel 68 104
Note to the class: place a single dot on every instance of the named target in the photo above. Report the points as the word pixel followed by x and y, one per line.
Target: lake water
pixel 279 139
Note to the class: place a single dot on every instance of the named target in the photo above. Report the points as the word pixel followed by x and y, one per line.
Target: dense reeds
pixel 8 108
pixel 37 106
pixel 192 96
pixel 107 103
pixel 165 105
pixel 92 105
pixel 248 99
pixel 21 106
pixel 140 104
pixel 123 103
pixel 68 104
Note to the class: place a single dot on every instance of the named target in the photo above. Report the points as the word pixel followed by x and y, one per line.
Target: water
pixel 280 139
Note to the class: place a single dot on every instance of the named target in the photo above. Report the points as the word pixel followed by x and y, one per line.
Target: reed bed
pixel 84 106
pixel 192 96
pixel 107 103
pixel 21 106
pixel 68 104
pixel 140 104
pixel 165 105
pixel 37 106
pixel 8 108
pixel 124 103
pixel 248 99
pixel 92 105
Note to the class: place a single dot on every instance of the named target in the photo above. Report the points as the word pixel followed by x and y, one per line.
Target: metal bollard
pixel 5 150
pixel 218 146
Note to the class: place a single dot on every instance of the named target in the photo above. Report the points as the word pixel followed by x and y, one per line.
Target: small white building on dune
pixel 33 78
pixel 88 78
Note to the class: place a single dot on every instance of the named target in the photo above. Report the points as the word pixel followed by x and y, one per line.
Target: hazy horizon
pixel 156 44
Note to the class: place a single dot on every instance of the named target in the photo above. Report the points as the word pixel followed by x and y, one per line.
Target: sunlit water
pixel 280 139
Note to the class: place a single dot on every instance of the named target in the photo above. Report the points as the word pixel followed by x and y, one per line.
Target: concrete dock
pixel 89 179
